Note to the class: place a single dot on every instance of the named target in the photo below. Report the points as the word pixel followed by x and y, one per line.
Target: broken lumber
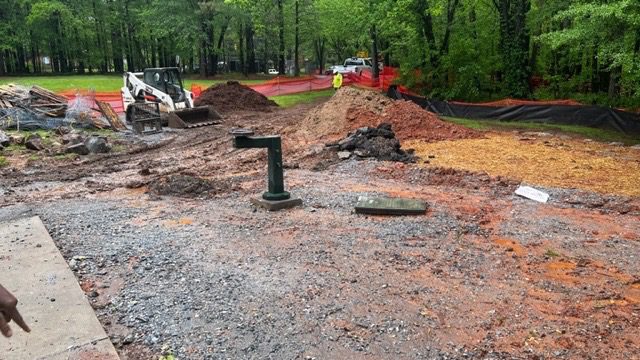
pixel 107 110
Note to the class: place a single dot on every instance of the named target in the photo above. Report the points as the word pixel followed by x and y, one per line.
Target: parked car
pixel 353 65
pixel 273 72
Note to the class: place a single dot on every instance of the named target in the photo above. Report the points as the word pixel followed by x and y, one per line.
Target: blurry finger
pixel 5 315
pixel 17 318
pixel 4 327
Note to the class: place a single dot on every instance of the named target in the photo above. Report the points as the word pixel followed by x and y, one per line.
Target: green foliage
pixel 450 49
pixel 3 161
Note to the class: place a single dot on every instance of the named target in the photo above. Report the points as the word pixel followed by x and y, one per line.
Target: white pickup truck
pixel 353 65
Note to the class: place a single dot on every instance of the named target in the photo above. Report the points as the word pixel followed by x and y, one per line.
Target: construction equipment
pixel 164 87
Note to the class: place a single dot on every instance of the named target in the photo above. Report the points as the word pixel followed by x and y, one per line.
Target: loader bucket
pixel 193 117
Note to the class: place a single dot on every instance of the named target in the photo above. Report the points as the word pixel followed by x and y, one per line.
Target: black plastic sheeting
pixel 584 115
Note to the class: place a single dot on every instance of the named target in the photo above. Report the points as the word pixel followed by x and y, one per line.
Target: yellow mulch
pixel 546 161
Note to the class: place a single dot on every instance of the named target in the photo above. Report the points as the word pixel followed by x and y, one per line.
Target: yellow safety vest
pixel 337 80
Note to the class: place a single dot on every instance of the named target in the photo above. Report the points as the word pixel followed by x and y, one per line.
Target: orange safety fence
pixel 517 102
pixel 273 87
pixel 114 98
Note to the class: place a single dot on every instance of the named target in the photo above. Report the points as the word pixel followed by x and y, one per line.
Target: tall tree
pixel 514 45
pixel 281 44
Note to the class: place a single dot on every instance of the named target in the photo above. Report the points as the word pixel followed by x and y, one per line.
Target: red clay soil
pixel 410 121
pixel 233 96
pixel 516 102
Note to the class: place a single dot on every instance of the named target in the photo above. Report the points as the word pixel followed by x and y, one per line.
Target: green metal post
pixel 275 171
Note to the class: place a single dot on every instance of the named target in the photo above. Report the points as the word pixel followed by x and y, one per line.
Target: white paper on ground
pixel 533 194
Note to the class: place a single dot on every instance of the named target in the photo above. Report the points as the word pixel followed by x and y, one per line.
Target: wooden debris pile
pixel 47 103
pixel 37 100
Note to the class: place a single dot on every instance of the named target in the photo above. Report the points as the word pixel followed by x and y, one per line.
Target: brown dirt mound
pixel 234 96
pixel 410 121
pixel 186 186
pixel 331 117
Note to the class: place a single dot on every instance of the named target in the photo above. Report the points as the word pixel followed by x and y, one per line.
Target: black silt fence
pixel 585 115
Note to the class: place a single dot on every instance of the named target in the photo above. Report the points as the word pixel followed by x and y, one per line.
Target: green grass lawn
pixel 302 98
pixel 101 83
pixel 587 132
pixel 112 83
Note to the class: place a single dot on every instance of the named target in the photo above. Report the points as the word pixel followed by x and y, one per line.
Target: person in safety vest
pixel 337 80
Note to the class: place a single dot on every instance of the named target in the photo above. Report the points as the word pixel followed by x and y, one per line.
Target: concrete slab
pixel 275 205
pixel 390 206
pixel 63 324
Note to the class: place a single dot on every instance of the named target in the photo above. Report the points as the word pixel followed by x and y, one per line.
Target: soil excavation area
pixel 175 259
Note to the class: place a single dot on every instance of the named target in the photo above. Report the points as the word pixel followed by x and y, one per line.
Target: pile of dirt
pixel 233 96
pixel 186 186
pixel 331 117
pixel 351 108
pixel 410 121
pixel 379 143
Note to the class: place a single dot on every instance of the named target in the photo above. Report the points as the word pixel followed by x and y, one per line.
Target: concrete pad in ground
pixel 63 324
pixel 390 206
pixel 275 205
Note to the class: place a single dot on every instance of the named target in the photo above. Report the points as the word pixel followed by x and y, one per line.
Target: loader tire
pixel 129 115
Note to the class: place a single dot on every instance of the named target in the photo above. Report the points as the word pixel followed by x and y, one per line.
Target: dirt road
pixel 204 275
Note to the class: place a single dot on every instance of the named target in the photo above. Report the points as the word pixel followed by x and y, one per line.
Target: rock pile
pixel 379 143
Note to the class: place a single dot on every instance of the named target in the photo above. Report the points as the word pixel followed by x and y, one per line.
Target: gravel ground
pixel 483 275
pixel 216 278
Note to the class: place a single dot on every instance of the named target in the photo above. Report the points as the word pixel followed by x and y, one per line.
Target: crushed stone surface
pixel 485 274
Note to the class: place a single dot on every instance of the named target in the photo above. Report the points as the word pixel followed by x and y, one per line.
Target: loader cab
pixel 167 80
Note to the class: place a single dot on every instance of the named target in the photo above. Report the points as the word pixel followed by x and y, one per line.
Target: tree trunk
pixel 211 62
pixel 424 12
pixel 452 5
pixel 251 50
pixel 218 50
pixel 3 70
pixel 514 46
pixel 296 50
pixel 319 48
pixel 203 60
pixel 154 52
pixel 281 49
pixel 374 52
pixel 21 59
pixel 116 46
pixel 131 61
pixel 243 63
pixel 614 76
pixel 34 59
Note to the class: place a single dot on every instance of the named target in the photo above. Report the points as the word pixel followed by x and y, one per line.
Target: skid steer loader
pixel 163 86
